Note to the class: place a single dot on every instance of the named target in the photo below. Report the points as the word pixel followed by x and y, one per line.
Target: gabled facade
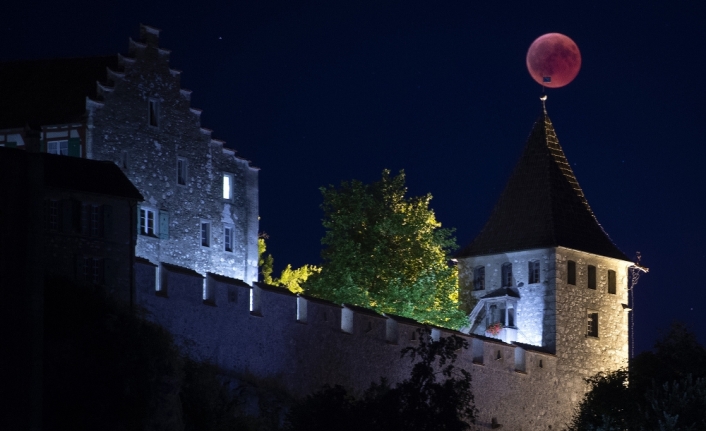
pixel 201 201
pixel 543 271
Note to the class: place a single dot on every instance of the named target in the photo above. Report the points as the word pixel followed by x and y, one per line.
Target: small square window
pixel 58 147
pixel 181 171
pixel 571 272
pixel 227 186
pixel 147 222
pixel 533 270
pixel 228 238
pixel 592 323
pixel 479 278
pixel 611 282
pixel 591 277
pixel 206 234
pixel 153 113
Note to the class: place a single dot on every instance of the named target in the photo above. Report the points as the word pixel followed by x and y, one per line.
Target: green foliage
pixel 387 252
pixel 290 278
pixel 419 403
pixel 665 389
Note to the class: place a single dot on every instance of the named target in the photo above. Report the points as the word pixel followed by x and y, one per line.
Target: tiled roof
pixel 46 92
pixel 542 205
pixel 76 174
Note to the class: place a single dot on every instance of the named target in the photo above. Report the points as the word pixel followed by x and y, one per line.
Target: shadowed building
pixel 201 201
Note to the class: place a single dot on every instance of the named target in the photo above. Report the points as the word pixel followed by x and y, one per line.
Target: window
pixel 592 320
pixel 181 171
pixel 93 270
pixel 92 220
pixel 232 295
pixel 53 214
pixel 147 222
pixel 591 277
pixel 533 272
pixel 571 272
pixel 479 278
pixel 228 238
pixel 227 186
pixel 206 234
pixel 124 160
pixel 153 113
pixel 507 275
pixel 58 147
pixel 611 282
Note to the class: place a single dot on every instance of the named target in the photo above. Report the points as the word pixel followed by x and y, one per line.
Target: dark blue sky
pixel 319 92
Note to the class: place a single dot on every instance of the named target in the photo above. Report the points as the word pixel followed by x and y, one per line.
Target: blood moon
pixel 553 60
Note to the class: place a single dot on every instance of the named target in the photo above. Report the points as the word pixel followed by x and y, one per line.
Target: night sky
pixel 314 93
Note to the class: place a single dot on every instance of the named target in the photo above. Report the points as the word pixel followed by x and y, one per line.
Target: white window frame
pixel 60 147
pixel 205 234
pixel 145 213
pixel 182 171
pixel 228 238
pixel 227 186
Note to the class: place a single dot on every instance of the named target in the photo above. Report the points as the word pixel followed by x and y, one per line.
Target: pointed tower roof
pixel 542 205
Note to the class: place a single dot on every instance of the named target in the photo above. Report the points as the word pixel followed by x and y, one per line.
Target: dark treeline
pixel 663 390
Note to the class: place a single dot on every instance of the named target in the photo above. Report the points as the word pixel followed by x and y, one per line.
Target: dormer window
pixel 479 278
pixel 153 112
pixel 507 275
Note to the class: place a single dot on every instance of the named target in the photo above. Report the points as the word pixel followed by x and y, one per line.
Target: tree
pixel 290 278
pixel 387 252
pixel 420 403
pixel 665 389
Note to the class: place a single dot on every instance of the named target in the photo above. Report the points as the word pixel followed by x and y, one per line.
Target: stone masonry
pixel 143 122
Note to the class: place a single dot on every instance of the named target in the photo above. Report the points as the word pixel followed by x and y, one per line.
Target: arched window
pixel 507 275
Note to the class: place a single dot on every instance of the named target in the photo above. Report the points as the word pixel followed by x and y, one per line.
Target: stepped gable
pixel 542 205
pixel 41 92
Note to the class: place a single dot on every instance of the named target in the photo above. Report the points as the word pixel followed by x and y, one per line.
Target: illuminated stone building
pixel 201 201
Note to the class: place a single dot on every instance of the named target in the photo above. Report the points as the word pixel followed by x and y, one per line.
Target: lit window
pixel 228 238
pixel 153 113
pixel 592 321
pixel 507 275
pixel 227 186
pixel 611 282
pixel 571 272
pixel 147 222
pixel 206 234
pixel 58 147
pixel 479 278
pixel 591 277
pixel 533 270
pixel 181 171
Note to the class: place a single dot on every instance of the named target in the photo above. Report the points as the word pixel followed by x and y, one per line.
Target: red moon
pixel 553 60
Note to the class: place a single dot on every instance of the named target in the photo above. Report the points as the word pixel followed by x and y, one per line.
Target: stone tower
pixel 545 273
pixel 201 201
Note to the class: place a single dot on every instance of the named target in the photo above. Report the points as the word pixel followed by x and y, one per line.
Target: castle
pixel 551 287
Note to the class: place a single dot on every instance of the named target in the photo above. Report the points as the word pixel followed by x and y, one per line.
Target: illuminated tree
pixel 387 252
pixel 289 278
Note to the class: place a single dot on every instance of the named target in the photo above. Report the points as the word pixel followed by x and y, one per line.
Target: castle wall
pixel 146 126
pixel 582 355
pixel 296 344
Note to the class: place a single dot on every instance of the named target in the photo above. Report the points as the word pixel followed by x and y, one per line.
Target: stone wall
pixel 297 344
pixel 144 123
